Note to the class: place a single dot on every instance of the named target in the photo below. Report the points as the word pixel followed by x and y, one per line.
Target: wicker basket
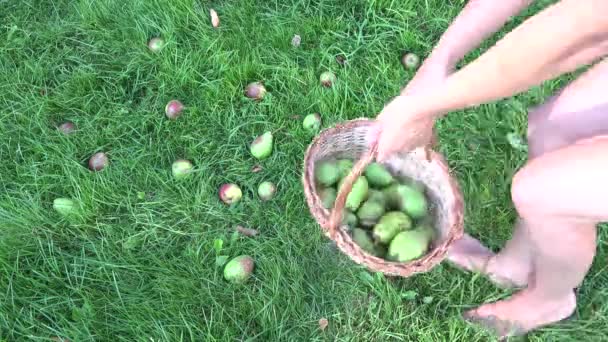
pixel 351 140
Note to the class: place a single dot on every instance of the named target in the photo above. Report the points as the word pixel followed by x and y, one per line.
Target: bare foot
pixel 471 255
pixel 522 313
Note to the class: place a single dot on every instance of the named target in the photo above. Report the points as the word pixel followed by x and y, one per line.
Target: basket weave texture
pixel 352 140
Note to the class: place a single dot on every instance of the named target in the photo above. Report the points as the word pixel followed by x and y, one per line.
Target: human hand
pixel 399 126
pixel 402 126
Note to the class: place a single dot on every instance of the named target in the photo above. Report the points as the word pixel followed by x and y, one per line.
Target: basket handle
pixel 335 217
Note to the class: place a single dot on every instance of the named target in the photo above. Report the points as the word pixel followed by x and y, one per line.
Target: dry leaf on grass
pixel 246 231
pixel 323 323
pixel 256 168
pixel 215 19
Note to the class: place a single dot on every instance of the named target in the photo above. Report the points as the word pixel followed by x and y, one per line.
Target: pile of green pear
pixel 387 216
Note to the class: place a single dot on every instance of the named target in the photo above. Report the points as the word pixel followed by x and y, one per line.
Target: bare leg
pixel 562 223
pixel 577 112
pixel 567 149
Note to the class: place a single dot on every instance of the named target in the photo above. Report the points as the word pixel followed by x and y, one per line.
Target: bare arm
pixel 543 47
pixel 475 23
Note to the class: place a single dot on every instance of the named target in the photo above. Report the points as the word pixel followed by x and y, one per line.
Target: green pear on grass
pixel 230 193
pixel 410 60
pixel 239 269
pixel 390 225
pixel 181 168
pixel 327 79
pixel 261 147
pixel 266 190
pixel 156 44
pixel 312 122
pixel 64 206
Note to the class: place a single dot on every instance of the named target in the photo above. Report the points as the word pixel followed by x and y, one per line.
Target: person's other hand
pixel 401 128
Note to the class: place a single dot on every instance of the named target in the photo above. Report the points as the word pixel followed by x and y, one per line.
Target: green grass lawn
pixel 131 269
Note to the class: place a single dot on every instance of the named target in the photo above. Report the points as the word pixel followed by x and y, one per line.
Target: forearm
pixel 539 49
pixel 475 23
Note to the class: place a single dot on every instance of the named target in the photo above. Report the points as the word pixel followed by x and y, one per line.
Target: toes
pixel 501 328
pixel 505 283
pixel 469 254
pixel 469 245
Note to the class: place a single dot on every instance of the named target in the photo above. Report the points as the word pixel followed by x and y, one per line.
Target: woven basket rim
pixel 344 241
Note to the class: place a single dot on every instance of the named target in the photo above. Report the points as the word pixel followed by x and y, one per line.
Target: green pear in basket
pixel 358 193
pixel 376 196
pixel 425 226
pixel 390 225
pixel 370 212
pixel 380 250
pixel 407 199
pixel 417 185
pixel 327 173
pixel 344 167
pixel 378 176
pixel 362 238
pixel 409 245
pixel 350 219
pixel 328 197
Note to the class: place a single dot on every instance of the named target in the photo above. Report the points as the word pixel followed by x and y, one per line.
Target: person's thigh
pixel 569 182
pixel 579 111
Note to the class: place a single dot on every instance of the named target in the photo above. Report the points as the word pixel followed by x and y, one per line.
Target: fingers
pixel 388 144
pixel 397 138
pixel 401 128
pixel 383 136
pixel 374 133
